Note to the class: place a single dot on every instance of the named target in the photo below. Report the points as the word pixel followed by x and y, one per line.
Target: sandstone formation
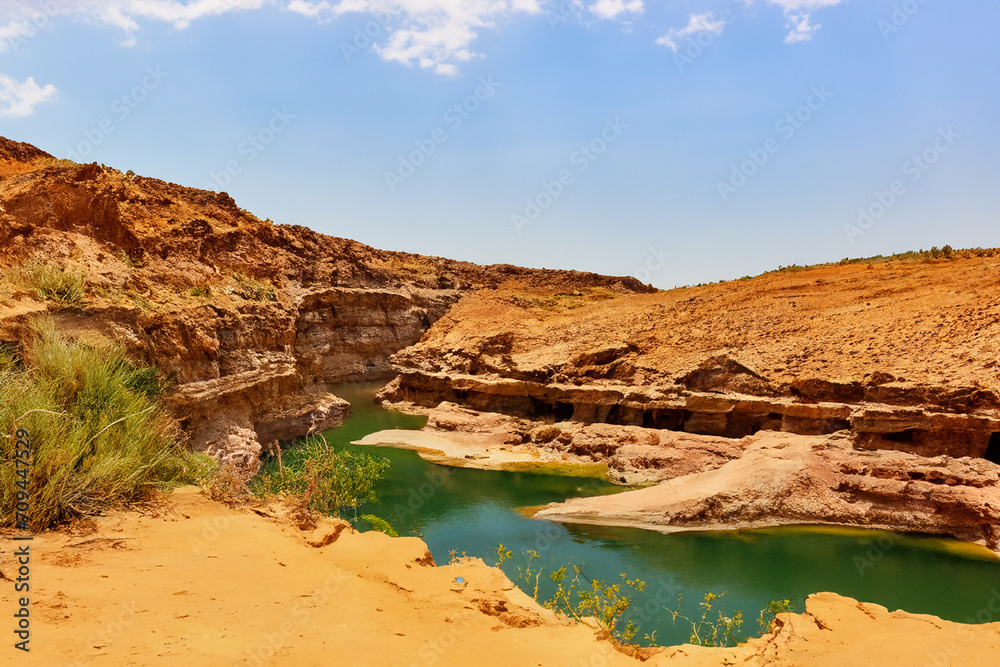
pixel 250 320
pixel 858 395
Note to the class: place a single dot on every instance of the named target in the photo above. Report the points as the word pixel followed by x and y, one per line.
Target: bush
pixel 253 290
pixel 201 291
pixel 320 478
pixel 48 282
pixel 98 435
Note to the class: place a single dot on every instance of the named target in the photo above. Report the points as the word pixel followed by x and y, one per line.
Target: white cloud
pixel 696 24
pixel 12 33
pixel 612 9
pixel 123 14
pixel 18 100
pixel 798 17
pixel 435 34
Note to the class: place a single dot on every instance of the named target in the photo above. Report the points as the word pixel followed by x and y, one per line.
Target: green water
pixel 472 511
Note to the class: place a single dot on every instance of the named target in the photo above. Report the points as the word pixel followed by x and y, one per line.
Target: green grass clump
pixel 98 436
pixel 253 290
pixel 201 291
pixel 380 524
pixel 48 282
pixel 320 478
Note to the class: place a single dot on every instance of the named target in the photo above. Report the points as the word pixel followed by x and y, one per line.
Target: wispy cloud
pixel 697 23
pixel 612 9
pixel 435 34
pixel 798 17
pixel 19 99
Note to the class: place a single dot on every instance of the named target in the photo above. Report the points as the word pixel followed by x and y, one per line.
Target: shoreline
pixel 167 575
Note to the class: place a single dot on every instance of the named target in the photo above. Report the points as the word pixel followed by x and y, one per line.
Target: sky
pixel 678 141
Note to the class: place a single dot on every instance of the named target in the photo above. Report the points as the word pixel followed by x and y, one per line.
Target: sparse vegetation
pixel 48 281
pixel 710 629
pixel 578 596
pixel 129 260
pixel 320 478
pixel 201 291
pixel 251 289
pixel 98 435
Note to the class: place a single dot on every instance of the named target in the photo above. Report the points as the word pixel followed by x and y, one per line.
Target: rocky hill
pixel 250 319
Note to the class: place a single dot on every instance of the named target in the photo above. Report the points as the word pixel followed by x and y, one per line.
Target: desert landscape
pixel 858 395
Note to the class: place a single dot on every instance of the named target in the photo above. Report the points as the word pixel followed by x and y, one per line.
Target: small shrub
pixel 320 478
pixel 201 291
pixel 131 261
pixel 253 290
pixel 712 630
pixel 767 615
pixel 48 282
pixel 225 486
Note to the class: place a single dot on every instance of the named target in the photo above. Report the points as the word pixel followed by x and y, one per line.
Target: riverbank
pixel 155 587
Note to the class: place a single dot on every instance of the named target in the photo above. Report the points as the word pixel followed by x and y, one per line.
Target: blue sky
pixel 681 142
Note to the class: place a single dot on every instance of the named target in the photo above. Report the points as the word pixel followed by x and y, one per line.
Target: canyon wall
pixel 248 320
pixel 900 356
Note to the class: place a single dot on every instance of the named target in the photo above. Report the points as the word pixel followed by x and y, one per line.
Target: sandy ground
pixel 193 582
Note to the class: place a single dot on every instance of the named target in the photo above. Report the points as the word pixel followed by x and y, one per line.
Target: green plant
pixel 578 596
pixel 201 291
pixel 767 615
pixel 140 301
pixel 49 282
pixel 98 434
pixel 129 260
pixel 582 596
pixel 321 478
pixel 709 630
pixel 380 524
pixel 251 289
